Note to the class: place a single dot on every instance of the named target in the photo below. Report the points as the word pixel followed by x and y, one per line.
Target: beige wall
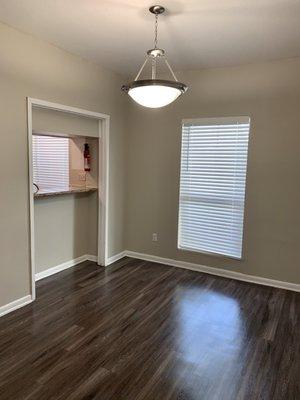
pixel 29 67
pixel 148 172
pixel 62 229
pixel 61 122
pixel 270 95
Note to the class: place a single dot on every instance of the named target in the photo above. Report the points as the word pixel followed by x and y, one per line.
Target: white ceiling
pixel 195 33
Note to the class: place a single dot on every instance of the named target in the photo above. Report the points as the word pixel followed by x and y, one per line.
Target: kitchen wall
pixel 33 68
pixel 66 226
pixel 61 229
pixel 270 94
pixel 79 177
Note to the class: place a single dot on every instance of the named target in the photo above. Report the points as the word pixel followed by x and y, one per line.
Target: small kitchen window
pixel 64 164
pixel 51 162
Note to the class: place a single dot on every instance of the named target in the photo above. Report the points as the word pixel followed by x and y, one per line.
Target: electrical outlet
pixel 154 237
pixel 82 176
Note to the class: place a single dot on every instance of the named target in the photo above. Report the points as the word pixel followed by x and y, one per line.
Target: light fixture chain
pixel 156 27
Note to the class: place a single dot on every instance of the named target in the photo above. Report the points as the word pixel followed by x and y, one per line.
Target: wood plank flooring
pixel 143 331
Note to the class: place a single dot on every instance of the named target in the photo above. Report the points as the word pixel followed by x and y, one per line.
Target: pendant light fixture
pixel 154 92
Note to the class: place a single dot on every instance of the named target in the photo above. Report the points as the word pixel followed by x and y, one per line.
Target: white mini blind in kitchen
pixel 50 162
pixel 212 185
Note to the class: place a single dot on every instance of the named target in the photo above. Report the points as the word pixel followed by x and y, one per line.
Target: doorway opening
pixel 74 179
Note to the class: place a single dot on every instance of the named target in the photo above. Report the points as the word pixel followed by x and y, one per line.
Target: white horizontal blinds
pixel 51 162
pixel 212 185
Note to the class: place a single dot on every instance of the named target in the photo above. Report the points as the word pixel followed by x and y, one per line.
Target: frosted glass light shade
pixel 154 96
pixel 154 93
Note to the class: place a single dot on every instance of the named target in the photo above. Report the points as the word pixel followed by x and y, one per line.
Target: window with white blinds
pixel 50 162
pixel 212 185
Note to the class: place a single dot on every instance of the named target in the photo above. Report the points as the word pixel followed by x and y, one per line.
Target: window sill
pixel 58 192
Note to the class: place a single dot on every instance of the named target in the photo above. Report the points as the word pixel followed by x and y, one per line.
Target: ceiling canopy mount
pixel 157 9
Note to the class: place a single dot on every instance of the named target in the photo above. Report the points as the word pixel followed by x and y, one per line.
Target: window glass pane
pixel 51 162
pixel 212 185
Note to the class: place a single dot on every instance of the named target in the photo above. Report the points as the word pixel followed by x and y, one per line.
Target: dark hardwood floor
pixel 151 332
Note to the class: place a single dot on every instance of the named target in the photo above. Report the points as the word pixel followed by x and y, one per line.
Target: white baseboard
pixel 14 305
pixel 63 266
pixel 115 258
pixel 90 257
pixel 75 261
pixel 215 271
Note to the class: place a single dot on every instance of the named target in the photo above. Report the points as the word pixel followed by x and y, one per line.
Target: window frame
pixel 214 120
pixel 35 157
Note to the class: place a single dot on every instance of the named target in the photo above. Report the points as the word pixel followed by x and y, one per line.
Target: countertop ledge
pixel 44 193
